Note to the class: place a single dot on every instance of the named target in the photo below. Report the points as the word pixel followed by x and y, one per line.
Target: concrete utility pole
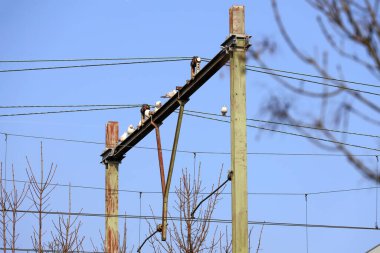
pixel 238 132
pixel 234 49
pixel 112 193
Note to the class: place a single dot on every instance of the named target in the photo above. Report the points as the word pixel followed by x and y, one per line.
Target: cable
pixel 183 57
pixel 377 199
pixel 315 76
pixel 5 158
pixel 289 133
pixel 292 125
pixel 315 82
pixel 63 106
pixel 306 227
pixel 140 219
pixel 159 229
pixel 213 192
pixel 188 151
pixel 91 65
pixel 302 74
pixel 47 250
pixel 94 59
pixel 213 220
pixel 198 112
pixel 222 193
pixel 67 111
pixel 194 164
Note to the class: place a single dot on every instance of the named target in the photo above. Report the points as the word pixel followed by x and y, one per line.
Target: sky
pixel 33 30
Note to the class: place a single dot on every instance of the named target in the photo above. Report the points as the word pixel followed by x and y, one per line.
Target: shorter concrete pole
pixel 112 191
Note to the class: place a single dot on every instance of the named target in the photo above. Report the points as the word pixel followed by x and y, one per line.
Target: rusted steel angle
pixel 160 159
pixel 171 105
pixel 170 171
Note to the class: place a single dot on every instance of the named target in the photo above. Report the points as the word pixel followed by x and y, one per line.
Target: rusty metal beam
pixel 160 159
pixel 117 154
pixel 171 167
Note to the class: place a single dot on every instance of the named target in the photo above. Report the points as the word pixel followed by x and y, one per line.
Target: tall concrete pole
pixel 112 193
pixel 238 132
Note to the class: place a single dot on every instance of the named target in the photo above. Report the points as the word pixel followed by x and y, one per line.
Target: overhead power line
pixel 304 74
pixel 187 151
pixel 64 106
pixel 292 125
pixel 87 187
pixel 315 82
pixel 289 133
pixel 69 111
pixel 315 76
pixel 122 106
pixel 47 250
pixel 214 220
pixel 185 58
pixel 94 59
pixel 172 58
pixel 93 65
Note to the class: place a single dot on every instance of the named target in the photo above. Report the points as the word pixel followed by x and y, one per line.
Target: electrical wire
pixel 306 225
pixel 192 111
pixel 213 220
pixel 212 193
pixel 67 111
pixel 147 239
pixel 114 107
pixel 64 106
pixel 302 74
pixel 376 195
pixel 289 133
pixel 47 250
pixel 292 125
pixel 94 59
pixel 5 158
pixel 222 193
pixel 92 65
pixel 188 151
pixel 140 194
pixel 184 57
pixel 315 82
pixel 315 76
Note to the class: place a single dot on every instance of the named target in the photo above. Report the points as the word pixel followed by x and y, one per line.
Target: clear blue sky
pixel 129 28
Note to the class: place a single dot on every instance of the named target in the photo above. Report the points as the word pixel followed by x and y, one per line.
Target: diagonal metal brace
pixel 159 153
pixel 171 166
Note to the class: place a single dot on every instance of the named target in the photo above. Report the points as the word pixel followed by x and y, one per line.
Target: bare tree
pixel 259 243
pixel 4 207
pixel 15 200
pixel 122 248
pixel 344 24
pixel 225 247
pixel 66 237
pixel 102 244
pixel 40 195
pixel 190 235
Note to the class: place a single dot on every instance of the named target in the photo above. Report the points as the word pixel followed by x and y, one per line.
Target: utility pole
pixel 234 49
pixel 112 191
pixel 238 131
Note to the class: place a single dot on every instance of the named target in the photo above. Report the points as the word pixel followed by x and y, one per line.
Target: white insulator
pixel 123 136
pixel 130 130
pixel 224 110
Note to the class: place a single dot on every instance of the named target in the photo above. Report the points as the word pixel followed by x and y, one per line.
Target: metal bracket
pixel 195 66
pixel 159 153
pixel 171 167
pixel 231 42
